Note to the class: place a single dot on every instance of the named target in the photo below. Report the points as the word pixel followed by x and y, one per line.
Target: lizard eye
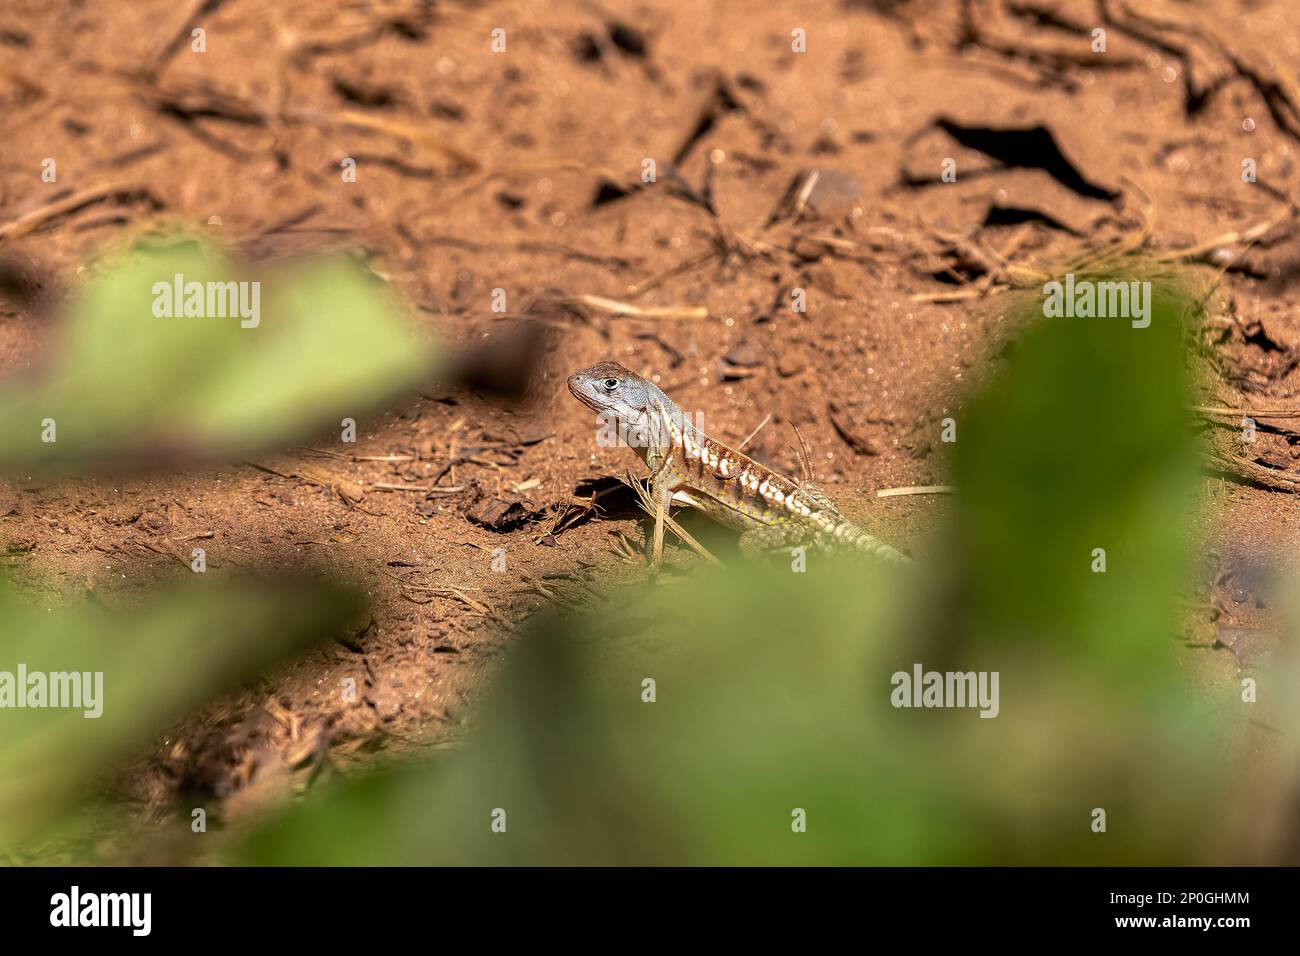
pixel 610 384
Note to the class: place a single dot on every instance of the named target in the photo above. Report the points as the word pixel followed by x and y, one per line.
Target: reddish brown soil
pixel 478 170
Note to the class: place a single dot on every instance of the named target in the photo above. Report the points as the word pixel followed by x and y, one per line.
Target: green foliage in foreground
pixel 124 384
pixel 773 689
pixel 132 377
pixel 158 662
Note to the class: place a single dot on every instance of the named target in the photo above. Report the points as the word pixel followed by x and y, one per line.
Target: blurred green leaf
pixel 588 773
pixel 1085 443
pixel 157 662
pixel 125 384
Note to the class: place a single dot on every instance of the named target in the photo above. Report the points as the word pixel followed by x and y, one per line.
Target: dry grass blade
pixel 52 210
pixel 1247 412
pixel 616 308
pixel 916 490
pixel 694 262
pixel 325 452
pixel 1247 237
pixel 1253 472
pixel 407 131
pixel 652 509
pixel 426 489
pixel 750 436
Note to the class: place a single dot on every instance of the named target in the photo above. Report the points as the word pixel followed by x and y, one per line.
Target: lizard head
pixel 609 387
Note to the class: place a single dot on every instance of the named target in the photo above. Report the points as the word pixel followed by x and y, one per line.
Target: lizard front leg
pixel 662 485
pixel 661 493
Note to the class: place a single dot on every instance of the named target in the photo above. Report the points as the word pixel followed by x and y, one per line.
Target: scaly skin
pixel 689 467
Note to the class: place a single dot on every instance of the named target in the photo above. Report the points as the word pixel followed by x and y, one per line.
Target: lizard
pixel 692 468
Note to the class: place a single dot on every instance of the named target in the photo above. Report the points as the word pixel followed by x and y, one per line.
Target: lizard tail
pixel 874 547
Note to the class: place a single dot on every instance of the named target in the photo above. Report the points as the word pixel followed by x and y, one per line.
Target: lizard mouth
pixel 579 389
